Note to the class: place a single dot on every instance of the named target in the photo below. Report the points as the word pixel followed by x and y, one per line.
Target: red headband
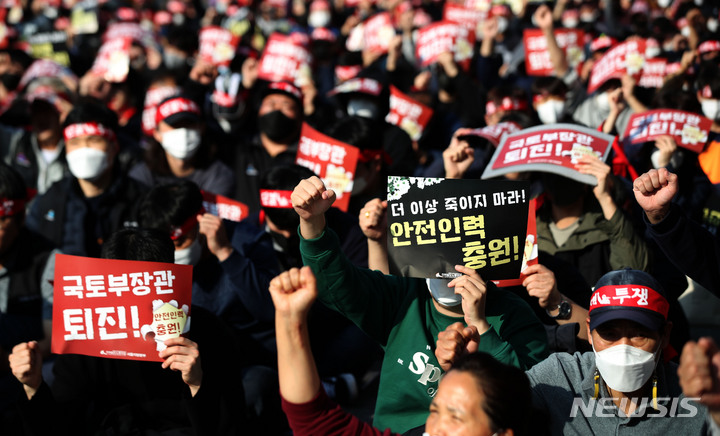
pixel 630 296
pixel 175 106
pixel 286 88
pixel 275 199
pixel 178 232
pixel 506 104
pixel 88 129
pixel 708 46
pixel 347 72
pixel 11 206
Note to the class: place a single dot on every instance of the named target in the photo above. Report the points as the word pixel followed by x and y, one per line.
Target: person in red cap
pixel 80 211
pixel 627 382
pixel 179 150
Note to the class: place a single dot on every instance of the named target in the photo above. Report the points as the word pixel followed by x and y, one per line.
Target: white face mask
pixel 87 163
pixel 570 23
pixel 603 102
pixel 685 31
pixel 624 367
pixel 549 112
pixel 181 143
pixel 711 108
pixel 588 17
pixel 664 3
pixel 652 52
pixel 319 19
pixel 190 255
pixel 712 24
pixel 442 294
pixel 502 24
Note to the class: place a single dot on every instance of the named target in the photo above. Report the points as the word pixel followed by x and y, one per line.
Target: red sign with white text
pixel 333 161
pixel 223 207
pixel 537 56
pixel 467 17
pixel 113 60
pixel 688 129
pixel 118 309
pixel 441 37
pixel 284 59
pixel 408 114
pixel 653 73
pixel 625 58
pixel 554 148
pixel 378 32
pixel 495 132
pixel 217 45
pixel 530 250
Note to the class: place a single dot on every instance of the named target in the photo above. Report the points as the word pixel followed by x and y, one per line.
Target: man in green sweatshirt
pixel 404 315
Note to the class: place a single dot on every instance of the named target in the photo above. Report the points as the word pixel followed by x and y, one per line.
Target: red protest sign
pixel 133 31
pixel 113 60
pixel 470 18
pixel 554 148
pixel 408 114
pixel 109 308
pixel 530 250
pixel 495 133
pixel 284 59
pixel 625 58
pixel 333 161
pixel 537 56
pixel 225 208
pixel 378 32
pixel 217 45
pixel 653 73
pixel 688 129
pixel 441 37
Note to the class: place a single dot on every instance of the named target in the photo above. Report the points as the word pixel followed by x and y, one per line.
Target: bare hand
pixel 212 227
pixel 667 146
pixel 616 99
pixel 26 366
pixel 458 157
pixel 490 28
pixel 293 293
pixel 654 192
pixel 373 219
pixel 249 70
pixel 540 282
pixel 203 72
pixel 455 341
pixel 592 165
pixel 447 61
pixel 422 80
pixel 310 198
pixel 473 290
pixel 699 373
pixel 183 355
pixel 544 18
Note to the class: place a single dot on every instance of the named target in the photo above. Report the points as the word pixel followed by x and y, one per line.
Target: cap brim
pixel 175 119
pixel 647 318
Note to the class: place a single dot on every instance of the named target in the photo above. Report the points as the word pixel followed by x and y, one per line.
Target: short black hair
pixel 91 111
pixel 169 205
pixel 134 243
pixel 506 390
pixel 359 132
pixel 12 185
pixel 549 85
pixel 283 178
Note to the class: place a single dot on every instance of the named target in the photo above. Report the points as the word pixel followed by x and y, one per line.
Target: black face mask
pixel 10 81
pixel 277 126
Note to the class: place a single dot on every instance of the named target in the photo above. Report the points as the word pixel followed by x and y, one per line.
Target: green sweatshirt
pixel 399 314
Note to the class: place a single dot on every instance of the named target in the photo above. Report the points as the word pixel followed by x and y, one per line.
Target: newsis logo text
pixel 605 407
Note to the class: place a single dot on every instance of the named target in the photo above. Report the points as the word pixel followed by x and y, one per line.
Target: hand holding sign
pixel 26 366
pixel 311 200
pixel 183 355
pixel 455 341
pixel 654 192
pixel 212 227
pixel 592 165
pixel 667 146
pixel 540 283
pixel 473 291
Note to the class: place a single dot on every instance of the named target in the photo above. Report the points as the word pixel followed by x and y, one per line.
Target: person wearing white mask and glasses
pixel 180 152
pixel 627 384
pixel 81 210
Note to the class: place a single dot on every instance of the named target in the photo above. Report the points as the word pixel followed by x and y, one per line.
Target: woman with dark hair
pixel 479 396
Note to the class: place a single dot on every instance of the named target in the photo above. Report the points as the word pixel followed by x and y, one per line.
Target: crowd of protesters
pixel 115 121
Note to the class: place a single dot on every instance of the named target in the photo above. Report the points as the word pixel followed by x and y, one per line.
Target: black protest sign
pixel 435 224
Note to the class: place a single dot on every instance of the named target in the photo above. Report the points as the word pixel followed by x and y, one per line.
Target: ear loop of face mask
pixel 596 393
